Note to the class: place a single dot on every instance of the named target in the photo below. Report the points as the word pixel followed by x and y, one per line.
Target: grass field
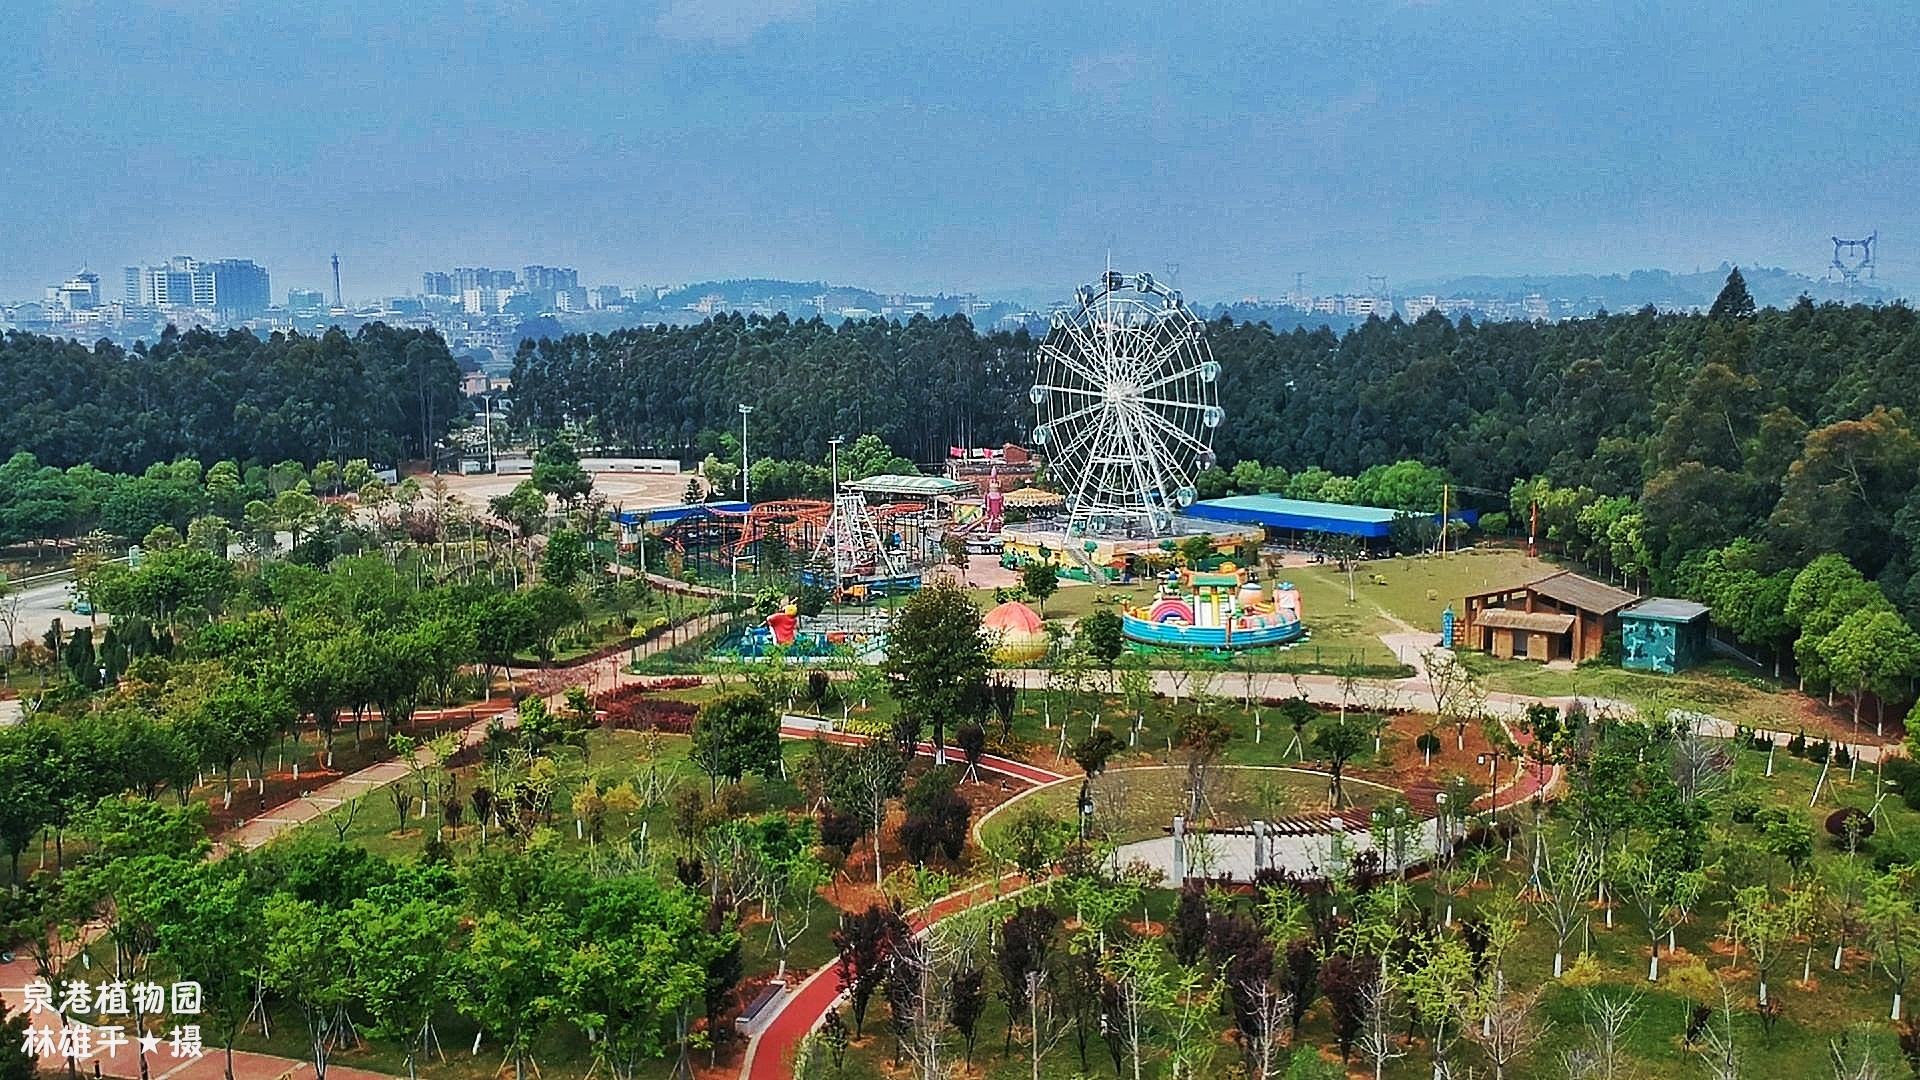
pixel 1339 634
pixel 1139 803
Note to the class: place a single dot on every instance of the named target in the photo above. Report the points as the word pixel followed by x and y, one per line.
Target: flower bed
pixel 632 708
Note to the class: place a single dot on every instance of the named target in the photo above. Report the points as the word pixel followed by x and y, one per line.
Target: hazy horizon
pixel 994 147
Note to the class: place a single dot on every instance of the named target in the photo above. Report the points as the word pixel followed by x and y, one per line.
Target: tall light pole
pixel 486 400
pixel 744 459
pixel 838 522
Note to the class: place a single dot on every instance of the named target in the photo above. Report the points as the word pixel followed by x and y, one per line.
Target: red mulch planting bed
pixel 634 708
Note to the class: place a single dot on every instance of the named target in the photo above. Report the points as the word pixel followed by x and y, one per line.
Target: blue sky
pixel 986 145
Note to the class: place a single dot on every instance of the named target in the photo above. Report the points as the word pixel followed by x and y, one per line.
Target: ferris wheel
pixel 1127 397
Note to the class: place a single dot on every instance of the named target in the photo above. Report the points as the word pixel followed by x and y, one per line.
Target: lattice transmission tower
pixel 1852 259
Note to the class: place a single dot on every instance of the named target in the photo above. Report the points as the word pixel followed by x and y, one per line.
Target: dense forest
pixel 922 385
pixel 381 393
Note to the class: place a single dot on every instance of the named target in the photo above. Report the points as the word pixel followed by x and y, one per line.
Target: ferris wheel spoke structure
pixel 1127 401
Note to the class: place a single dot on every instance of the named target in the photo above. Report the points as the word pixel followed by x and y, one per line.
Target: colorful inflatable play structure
pixel 801 637
pixel 1015 634
pixel 1217 610
pixel 783 624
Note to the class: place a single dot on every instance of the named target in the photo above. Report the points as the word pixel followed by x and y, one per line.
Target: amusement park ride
pixel 1126 397
pixel 1127 402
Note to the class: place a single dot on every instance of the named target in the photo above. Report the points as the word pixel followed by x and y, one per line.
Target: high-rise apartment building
pixel 549 279
pixel 480 277
pixel 435 283
pixel 231 288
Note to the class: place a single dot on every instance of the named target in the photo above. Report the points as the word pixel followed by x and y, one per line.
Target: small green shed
pixel 1664 635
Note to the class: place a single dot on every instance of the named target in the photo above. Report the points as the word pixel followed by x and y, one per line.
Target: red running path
pixel 770 1053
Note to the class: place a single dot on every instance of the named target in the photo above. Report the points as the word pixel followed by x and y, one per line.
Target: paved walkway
pixel 770 1051
pixel 282 819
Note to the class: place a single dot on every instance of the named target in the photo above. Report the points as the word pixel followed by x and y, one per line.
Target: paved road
pixel 39 605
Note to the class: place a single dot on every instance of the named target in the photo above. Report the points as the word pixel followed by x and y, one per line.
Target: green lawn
pixel 1339 634
pixel 1140 802
pixel 1720 688
pixel 1415 589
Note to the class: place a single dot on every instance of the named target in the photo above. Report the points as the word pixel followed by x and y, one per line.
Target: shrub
pixel 1818 752
pixel 1906 773
pixel 1848 819
pixel 1743 810
pixel 870 726
pixel 1797 746
pixel 630 708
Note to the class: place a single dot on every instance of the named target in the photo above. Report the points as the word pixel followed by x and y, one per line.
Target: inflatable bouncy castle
pixel 1015 634
pixel 1215 610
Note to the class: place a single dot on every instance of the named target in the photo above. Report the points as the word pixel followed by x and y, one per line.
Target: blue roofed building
pixel 1293 519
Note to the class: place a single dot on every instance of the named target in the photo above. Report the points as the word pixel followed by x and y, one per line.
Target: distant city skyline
pixel 576 291
pixel 993 145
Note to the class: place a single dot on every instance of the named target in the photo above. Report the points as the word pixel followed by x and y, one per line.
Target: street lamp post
pixel 745 410
pixel 839 524
pixel 486 400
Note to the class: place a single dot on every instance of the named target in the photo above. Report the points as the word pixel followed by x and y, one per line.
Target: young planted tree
pixel 1662 893
pixel 305 963
pixel 1302 979
pixel 1183 1006
pixel 1508 1027
pixel 937 818
pixel 937 661
pixel 508 983
pixel 787 874
pixel 967 1001
pixel 1099 632
pixel 1187 934
pixel 1345 980
pixel 641 960
pixel 1339 742
pixel 1026 943
pixel 1893 919
pixel 1562 897
pixel 865 943
pixel 1201 739
pixel 1764 923
pixel 972 739
pixel 403 957
pixel 734 734
pixel 1040 579
pixel 1297 713
pixel 213 934
pixel 1437 974
pixel 1603 1055
pixel 864 780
